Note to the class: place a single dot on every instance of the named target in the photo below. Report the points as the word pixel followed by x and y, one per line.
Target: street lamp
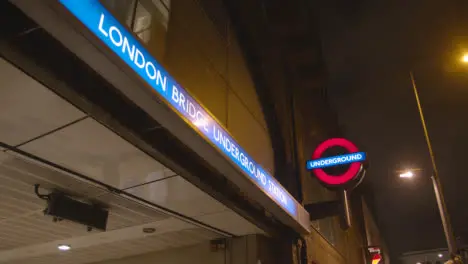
pixel 448 231
pixel 408 174
pixel 464 58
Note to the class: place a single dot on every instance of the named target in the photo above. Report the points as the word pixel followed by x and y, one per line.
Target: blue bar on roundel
pixel 336 160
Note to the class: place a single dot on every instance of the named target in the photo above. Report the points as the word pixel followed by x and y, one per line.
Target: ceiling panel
pixel 35 228
pixel 16 171
pixel 22 221
pixel 230 221
pixel 91 149
pixel 123 248
pixel 28 108
pixel 179 195
pixel 126 213
pixel 95 151
pixel 28 236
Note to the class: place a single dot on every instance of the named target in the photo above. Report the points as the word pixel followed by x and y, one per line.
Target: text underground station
pixel 94 16
pixel 336 160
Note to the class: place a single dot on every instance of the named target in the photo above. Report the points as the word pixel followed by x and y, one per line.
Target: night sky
pixel 369 48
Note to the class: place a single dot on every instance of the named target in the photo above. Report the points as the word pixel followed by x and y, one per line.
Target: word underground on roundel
pixel 336 160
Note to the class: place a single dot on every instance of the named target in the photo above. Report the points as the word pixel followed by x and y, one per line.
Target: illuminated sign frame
pixel 376 258
pixel 116 37
pixel 375 255
pixel 354 158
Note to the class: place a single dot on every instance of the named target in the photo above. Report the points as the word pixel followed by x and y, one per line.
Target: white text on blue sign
pixel 99 21
pixel 336 160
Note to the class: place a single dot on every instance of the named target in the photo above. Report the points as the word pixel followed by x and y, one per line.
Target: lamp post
pixel 446 224
pixel 448 231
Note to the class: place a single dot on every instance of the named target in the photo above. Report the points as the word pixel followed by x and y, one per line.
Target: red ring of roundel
pixel 347 176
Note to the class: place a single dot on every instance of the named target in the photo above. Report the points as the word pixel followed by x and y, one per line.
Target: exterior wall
pixel 240 250
pixel 425 257
pixel 319 250
pixel 205 58
pixel 199 50
pixel 195 43
pixel 284 52
pixel 431 256
pixel 373 234
pixel 329 243
pixel 209 64
pixel 198 254
pixel 347 246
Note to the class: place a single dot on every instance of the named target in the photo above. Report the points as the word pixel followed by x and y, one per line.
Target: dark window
pixel 146 18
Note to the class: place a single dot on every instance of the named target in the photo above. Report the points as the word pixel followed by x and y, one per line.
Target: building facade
pixel 434 256
pixel 431 256
pixel 188 121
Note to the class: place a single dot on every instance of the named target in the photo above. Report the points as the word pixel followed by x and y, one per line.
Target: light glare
pixel 465 58
pixel 440 255
pixel 64 247
pixel 407 174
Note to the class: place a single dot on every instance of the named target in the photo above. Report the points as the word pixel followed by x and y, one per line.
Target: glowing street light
pixel 465 58
pixel 408 174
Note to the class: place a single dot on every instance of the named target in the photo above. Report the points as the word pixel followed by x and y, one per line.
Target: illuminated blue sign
pixel 97 19
pixel 336 160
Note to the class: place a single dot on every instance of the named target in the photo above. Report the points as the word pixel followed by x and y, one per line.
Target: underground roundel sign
pixel 347 165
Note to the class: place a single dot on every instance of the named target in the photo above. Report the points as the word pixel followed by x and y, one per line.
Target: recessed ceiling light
pixel 149 230
pixel 64 247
